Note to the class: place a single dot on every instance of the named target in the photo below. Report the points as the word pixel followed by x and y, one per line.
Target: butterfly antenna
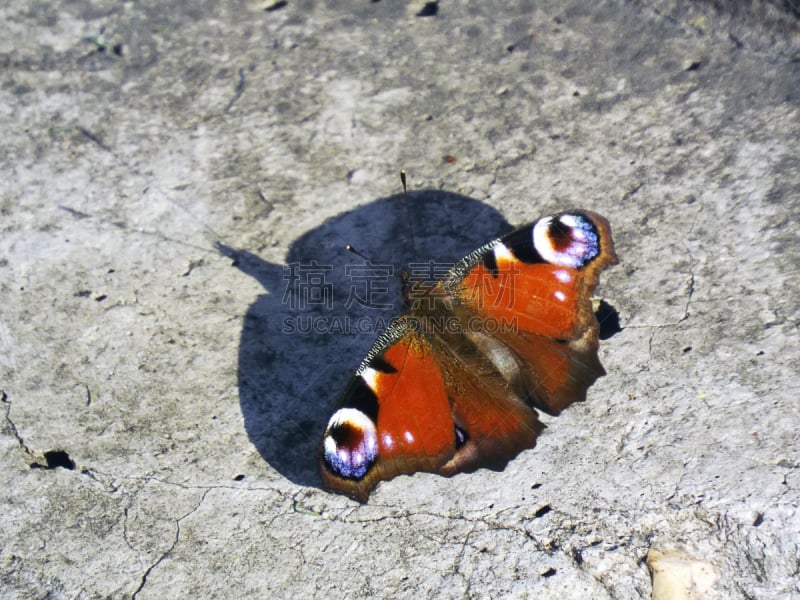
pixel 408 215
pixel 357 252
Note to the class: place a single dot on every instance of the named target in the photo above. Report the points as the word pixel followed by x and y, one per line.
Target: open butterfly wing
pixel 531 291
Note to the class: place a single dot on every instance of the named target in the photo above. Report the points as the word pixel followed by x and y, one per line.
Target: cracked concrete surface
pixel 162 163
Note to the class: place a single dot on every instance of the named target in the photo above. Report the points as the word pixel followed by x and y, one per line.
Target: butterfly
pixel 454 384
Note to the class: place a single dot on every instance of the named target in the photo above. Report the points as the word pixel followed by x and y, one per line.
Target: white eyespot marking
pixel 370 377
pixel 387 440
pixel 350 446
pixel 502 253
pixel 560 295
pixel 569 242
pixel 571 221
pixel 563 276
pixel 541 237
pixel 409 437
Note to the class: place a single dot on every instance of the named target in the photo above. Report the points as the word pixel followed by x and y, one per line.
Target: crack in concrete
pixel 94 138
pixel 690 286
pixel 20 440
pixel 114 483
pixel 240 85
pixel 457 567
pixel 167 552
pixel 110 484
pixel 692 264
pixel 125 530
pixel 690 289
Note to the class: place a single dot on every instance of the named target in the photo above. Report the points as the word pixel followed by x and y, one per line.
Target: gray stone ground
pixel 162 161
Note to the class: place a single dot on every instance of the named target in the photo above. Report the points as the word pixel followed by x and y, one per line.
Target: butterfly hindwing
pixel 493 424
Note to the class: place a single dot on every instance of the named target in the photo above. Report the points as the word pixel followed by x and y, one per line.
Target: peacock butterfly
pixel 452 385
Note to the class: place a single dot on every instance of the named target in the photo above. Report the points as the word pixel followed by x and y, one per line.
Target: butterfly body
pixel 451 386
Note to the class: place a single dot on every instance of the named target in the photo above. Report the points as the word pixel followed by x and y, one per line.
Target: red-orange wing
pixel 531 291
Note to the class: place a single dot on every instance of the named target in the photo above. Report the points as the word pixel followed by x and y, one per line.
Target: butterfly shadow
pixel 323 309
